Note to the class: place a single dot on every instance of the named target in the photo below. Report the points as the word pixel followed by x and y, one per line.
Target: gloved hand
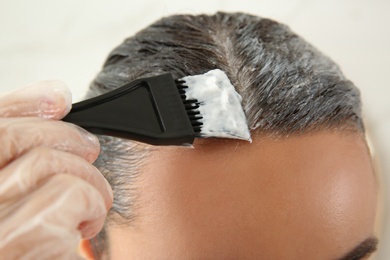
pixel 50 194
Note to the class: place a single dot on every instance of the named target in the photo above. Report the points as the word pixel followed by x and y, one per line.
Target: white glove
pixel 50 194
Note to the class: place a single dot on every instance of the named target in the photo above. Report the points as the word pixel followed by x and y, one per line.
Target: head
pixel 303 189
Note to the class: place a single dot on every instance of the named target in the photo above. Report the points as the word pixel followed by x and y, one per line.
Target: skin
pixel 312 196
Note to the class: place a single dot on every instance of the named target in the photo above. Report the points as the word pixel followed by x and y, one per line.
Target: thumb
pixel 46 99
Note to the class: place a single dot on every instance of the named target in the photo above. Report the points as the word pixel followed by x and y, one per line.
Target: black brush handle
pixel 148 110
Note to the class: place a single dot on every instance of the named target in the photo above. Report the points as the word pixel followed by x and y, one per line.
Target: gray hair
pixel 288 87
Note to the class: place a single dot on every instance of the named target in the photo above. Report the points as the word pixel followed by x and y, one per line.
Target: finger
pixel 53 213
pixel 26 173
pixel 18 135
pixel 80 203
pixel 47 99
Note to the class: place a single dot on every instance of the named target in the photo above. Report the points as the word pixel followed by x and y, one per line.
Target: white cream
pixel 220 105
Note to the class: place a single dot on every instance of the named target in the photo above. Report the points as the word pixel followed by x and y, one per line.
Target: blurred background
pixel 70 39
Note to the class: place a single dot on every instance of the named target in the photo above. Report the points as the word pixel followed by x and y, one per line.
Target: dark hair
pixel 288 87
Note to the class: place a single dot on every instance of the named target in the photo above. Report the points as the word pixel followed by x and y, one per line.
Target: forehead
pixel 308 194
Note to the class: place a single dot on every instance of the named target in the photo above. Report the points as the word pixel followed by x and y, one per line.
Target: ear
pixel 85 249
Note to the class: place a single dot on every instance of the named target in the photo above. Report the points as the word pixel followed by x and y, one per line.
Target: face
pixel 304 197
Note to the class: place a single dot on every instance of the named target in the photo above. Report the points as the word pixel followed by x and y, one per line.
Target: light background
pixel 70 39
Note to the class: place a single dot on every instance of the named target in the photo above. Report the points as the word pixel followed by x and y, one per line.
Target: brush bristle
pixel 191 106
pixel 220 112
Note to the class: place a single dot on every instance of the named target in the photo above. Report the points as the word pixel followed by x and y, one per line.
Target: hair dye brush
pixel 161 111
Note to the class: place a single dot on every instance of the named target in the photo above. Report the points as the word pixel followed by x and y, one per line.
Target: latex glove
pixel 50 194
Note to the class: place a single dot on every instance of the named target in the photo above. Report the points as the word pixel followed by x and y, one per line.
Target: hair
pixel 287 86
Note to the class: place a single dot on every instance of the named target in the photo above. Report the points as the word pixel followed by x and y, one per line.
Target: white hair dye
pixel 220 105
